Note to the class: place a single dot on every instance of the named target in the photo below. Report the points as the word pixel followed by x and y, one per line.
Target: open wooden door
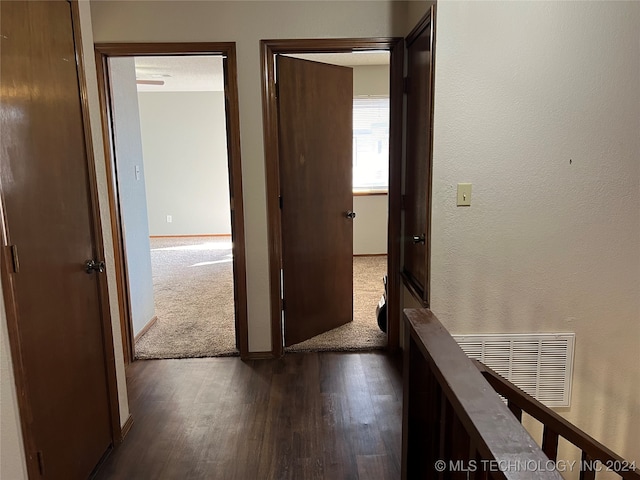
pixel 49 267
pixel 416 233
pixel 315 113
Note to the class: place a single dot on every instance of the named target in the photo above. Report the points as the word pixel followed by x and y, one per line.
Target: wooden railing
pixel 595 456
pixel 456 426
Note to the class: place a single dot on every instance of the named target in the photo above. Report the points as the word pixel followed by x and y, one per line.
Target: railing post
pixel 517 411
pixel 420 415
pixel 587 472
pixel 550 443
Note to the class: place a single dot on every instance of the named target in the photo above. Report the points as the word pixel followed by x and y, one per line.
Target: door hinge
pixel 280 201
pixel 405 85
pixel 14 258
pixel 40 463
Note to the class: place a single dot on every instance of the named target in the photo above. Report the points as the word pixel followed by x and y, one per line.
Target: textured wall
pixel 540 110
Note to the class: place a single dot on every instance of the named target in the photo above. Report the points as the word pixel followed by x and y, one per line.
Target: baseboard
pixel 127 426
pixel 369 194
pixel 369 254
pixel 258 356
pixel 192 236
pixel 145 328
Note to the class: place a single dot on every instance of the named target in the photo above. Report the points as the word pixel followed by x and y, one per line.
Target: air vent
pixel 540 364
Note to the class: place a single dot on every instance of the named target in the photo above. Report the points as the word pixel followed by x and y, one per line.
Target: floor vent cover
pixel 539 364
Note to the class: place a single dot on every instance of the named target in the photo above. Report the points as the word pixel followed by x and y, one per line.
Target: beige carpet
pixel 193 291
pixel 363 333
pixel 193 288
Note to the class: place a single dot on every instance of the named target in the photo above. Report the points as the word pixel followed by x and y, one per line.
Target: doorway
pixel 275 181
pixel 192 229
pixel 367 184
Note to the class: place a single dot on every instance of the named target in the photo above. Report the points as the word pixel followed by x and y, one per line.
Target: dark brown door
pixel 315 107
pixel 416 234
pixel 46 203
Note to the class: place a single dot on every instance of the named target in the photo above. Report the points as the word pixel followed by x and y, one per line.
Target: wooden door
pixel 417 197
pixel 54 302
pixel 315 115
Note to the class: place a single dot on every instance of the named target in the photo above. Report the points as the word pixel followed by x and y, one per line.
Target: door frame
pixel 422 293
pixel 269 49
pixel 11 306
pixel 103 51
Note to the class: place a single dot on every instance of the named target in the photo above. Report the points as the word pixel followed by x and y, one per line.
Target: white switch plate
pixel 169 219
pixel 464 194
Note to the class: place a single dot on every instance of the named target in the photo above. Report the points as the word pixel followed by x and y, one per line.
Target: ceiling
pixel 199 73
pixel 193 73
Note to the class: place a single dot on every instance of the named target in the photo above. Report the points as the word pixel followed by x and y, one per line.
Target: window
pixel 370 144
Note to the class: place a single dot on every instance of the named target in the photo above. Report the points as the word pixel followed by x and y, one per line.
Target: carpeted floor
pixel 363 333
pixel 193 291
pixel 193 288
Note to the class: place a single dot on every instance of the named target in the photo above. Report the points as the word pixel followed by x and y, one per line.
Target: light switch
pixel 464 194
pixel 169 219
pixel 137 172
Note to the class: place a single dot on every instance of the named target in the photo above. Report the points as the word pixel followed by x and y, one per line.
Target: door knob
pixel 418 239
pixel 94 266
pixel 350 214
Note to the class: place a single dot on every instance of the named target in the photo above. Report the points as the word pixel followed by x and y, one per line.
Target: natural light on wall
pixel 370 144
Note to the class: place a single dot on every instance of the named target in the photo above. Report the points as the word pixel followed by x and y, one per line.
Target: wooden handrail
pixel 556 426
pixel 454 423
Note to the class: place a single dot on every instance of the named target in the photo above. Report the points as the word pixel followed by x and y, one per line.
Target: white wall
pixel 131 189
pixel 185 155
pixel 547 245
pixel 246 23
pixel 370 225
pixel 371 80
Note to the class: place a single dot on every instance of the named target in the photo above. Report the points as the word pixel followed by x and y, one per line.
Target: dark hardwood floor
pixel 304 416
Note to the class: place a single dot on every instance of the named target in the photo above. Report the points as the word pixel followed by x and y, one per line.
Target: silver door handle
pixel 350 214
pixel 91 266
pixel 418 239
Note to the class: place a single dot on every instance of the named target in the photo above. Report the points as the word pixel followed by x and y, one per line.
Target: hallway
pixel 311 416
